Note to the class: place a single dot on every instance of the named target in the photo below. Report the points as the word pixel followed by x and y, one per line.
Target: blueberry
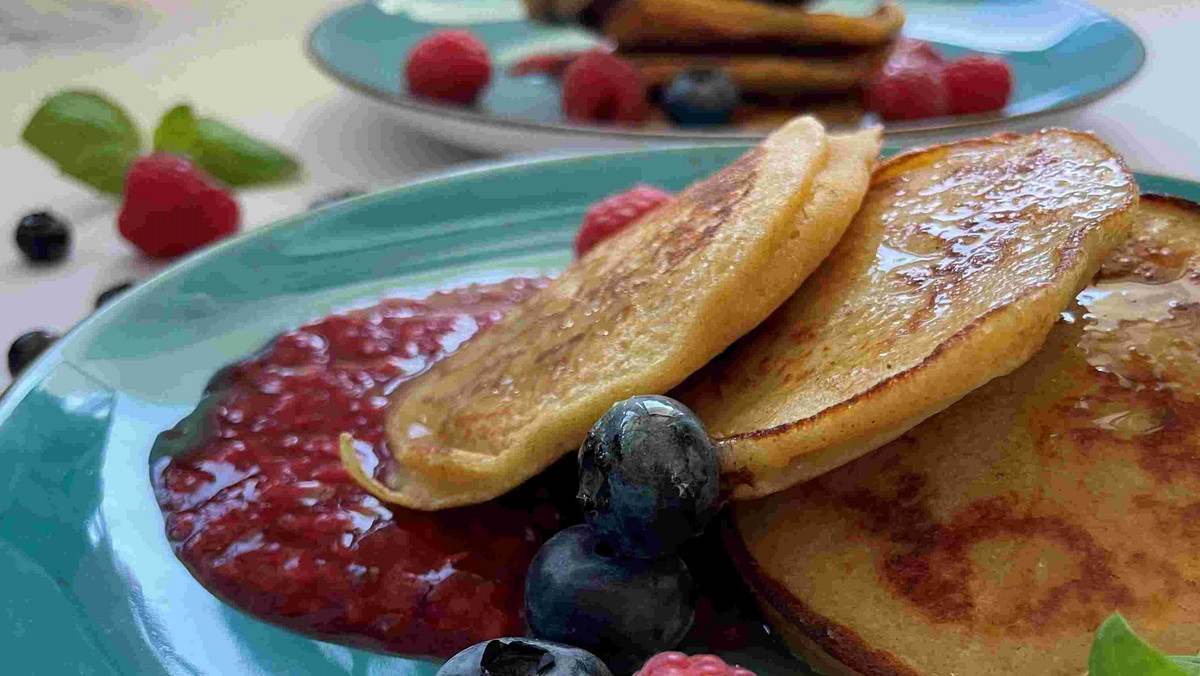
pixel 335 197
pixel 523 657
pixel 701 97
pixel 43 237
pixel 648 476
pixel 26 348
pixel 580 592
pixel 111 293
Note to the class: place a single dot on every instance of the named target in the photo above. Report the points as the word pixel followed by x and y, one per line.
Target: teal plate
pixel 1064 53
pixel 88 581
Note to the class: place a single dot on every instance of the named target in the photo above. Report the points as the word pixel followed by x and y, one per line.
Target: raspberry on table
pixel 978 84
pixel 172 207
pixel 611 215
pixel 673 663
pixel 600 87
pixel 448 65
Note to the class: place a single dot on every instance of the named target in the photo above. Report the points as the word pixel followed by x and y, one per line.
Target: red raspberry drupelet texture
pixel 600 87
pixel 673 663
pixel 978 84
pixel 611 215
pixel 172 207
pixel 448 65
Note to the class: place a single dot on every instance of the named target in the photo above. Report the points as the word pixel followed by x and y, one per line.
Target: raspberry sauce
pixel 259 508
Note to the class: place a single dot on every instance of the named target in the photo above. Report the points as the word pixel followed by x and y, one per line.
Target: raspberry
pixel 908 92
pixel 914 53
pixel 600 87
pixel 610 216
pixel 978 84
pixel 672 663
pixel 448 65
pixel 171 207
pixel 550 63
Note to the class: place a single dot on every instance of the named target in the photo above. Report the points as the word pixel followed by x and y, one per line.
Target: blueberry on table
pixel 111 293
pixel 648 476
pixel 43 237
pixel 578 591
pixel 26 348
pixel 701 97
pixel 523 657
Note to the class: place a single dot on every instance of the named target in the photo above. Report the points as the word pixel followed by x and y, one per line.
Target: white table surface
pixel 243 61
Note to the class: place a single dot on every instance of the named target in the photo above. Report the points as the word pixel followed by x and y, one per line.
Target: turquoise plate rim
pixel 328 218
pixel 403 101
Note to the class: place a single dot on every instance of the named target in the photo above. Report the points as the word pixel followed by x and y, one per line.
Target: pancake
pixel 765 74
pixel 951 274
pixel 635 315
pixel 994 538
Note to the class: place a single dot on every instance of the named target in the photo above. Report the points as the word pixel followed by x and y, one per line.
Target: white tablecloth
pixel 243 61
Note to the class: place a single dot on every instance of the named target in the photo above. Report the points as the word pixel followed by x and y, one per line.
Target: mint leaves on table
pixel 89 137
pixel 230 155
pixel 92 139
pixel 1117 651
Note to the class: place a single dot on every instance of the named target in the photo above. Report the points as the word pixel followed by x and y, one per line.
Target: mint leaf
pixel 1117 651
pixel 176 132
pixel 89 137
pixel 238 159
pixel 1190 664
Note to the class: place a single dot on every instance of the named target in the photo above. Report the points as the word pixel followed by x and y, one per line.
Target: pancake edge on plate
pixel 524 393
pixel 929 495
pixel 761 461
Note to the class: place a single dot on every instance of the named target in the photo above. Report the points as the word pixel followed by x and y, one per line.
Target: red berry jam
pixel 258 506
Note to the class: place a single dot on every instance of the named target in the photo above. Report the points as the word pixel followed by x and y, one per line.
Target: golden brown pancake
pixel 635 315
pixel 659 24
pixel 951 274
pixel 767 74
pixel 995 537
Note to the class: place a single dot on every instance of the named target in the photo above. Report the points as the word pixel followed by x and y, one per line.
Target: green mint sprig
pixel 93 139
pixel 1117 651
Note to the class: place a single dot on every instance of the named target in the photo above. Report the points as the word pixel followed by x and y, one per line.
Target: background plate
pixel 1063 53
pixel 89 583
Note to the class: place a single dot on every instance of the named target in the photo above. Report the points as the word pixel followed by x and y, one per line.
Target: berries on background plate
pixel 978 84
pixel 111 293
pixel 648 476
pixel 601 87
pixel 26 348
pixel 448 65
pixel 701 97
pixel 908 93
pixel 610 216
pixel 172 207
pixel 43 237
pixel 523 657
pixel 578 591
pixel 677 664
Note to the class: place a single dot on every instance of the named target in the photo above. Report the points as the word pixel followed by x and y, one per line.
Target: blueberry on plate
pixel 578 591
pixel 111 293
pixel 701 97
pixel 26 348
pixel 648 476
pixel 523 657
pixel 43 237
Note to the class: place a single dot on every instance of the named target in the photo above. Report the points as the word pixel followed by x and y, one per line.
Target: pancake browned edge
pixel 952 273
pixel 771 75
pixel 634 315
pixel 994 538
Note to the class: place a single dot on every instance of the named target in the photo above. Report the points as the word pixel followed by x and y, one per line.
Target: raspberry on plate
pixel 611 215
pixel 171 207
pixel 600 87
pixel 448 65
pixel 908 92
pixel 673 663
pixel 978 84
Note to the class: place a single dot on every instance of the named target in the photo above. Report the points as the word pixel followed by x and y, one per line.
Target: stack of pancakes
pixel 956 394
pixel 777 53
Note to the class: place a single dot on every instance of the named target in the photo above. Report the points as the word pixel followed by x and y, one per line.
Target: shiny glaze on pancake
pixel 951 274
pixel 636 315
pixel 996 536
